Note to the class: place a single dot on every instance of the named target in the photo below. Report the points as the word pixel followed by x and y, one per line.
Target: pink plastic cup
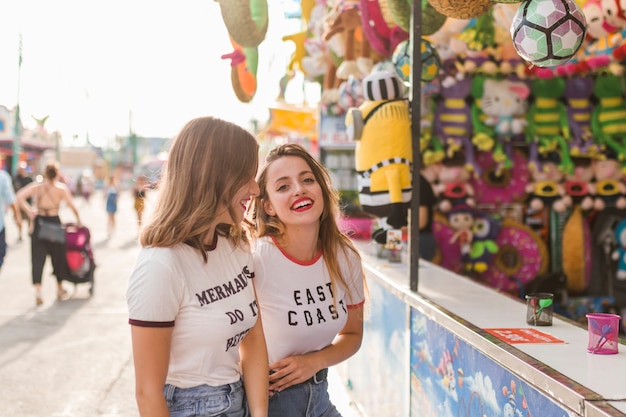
pixel 603 333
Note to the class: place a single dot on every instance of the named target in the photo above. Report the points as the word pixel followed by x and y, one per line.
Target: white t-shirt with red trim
pixel 296 299
pixel 210 305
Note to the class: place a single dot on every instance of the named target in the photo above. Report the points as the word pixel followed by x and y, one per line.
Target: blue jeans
pixel 204 401
pixel 308 399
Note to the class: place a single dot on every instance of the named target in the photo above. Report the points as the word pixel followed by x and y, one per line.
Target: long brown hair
pixel 330 237
pixel 208 162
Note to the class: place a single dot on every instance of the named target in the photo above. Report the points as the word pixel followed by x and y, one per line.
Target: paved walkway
pixel 73 358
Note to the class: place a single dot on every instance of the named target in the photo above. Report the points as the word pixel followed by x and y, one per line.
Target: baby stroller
pixel 79 255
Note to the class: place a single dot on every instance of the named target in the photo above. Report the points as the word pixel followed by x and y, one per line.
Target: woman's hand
pixel 290 371
pixel 299 368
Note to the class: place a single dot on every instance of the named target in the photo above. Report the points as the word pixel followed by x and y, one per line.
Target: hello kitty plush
pixel 504 103
pixel 609 187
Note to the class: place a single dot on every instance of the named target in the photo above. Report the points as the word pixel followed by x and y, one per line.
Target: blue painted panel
pixel 450 378
pixel 379 372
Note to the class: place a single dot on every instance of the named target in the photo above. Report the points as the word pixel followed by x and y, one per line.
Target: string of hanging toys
pixel 545 33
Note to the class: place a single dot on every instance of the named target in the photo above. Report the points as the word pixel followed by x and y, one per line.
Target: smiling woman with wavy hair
pixel 309 281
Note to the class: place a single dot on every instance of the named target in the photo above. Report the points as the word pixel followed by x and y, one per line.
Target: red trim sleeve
pixel 356 305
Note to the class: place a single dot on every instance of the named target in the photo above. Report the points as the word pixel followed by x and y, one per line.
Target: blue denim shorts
pixel 308 399
pixel 204 401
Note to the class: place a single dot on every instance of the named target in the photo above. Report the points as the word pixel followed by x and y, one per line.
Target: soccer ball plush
pixel 431 64
pixel 547 33
pixel 401 59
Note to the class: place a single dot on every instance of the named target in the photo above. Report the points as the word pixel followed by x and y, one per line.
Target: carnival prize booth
pixel 514 113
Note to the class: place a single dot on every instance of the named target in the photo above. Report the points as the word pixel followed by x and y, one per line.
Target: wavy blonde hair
pixel 209 161
pixel 330 237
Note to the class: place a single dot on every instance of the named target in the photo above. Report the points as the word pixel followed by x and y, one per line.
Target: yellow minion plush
pixel 381 127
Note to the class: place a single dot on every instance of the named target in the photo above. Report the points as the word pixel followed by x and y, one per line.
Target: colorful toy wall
pixel 522 133
pixel 526 155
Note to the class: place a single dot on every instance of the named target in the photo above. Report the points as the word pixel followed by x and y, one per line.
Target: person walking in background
pixel 87 187
pixel 112 195
pixel 139 196
pixel 48 196
pixel 78 188
pixel 302 260
pixel 195 324
pixel 20 181
pixel 7 200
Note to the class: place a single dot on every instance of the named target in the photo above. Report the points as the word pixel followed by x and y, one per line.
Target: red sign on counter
pixel 523 335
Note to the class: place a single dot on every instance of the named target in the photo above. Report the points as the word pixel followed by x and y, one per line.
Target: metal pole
pixel 416 116
pixel 16 126
pixel 57 140
pixel 132 140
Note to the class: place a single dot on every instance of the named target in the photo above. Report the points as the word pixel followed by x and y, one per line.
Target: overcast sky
pixel 90 65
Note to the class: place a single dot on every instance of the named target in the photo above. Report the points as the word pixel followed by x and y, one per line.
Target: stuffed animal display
pixel 383 165
pixel 246 22
pixel 523 123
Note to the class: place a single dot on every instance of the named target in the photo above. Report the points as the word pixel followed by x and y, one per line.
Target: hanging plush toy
pixel 461 9
pixel 546 190
pixel 381 127
pixel 299 38
pixel 504 103
pixel 548 32
pixel 609 187
pixel 350 93
pixel 579 187
pixel 619 254
pixel 400 11
pixel 597 25
pixel 401 59
pixel 381 32
pixel 548 128
pixel 245 20
pixel 454 188
pixel 431 149
pixel 314 63
pixel 345 20
pixel 614 13
pixel 452 121
pixel 461 220
pixel 485 231
pixel 578 92
pixel 608 121
pixel 243 69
